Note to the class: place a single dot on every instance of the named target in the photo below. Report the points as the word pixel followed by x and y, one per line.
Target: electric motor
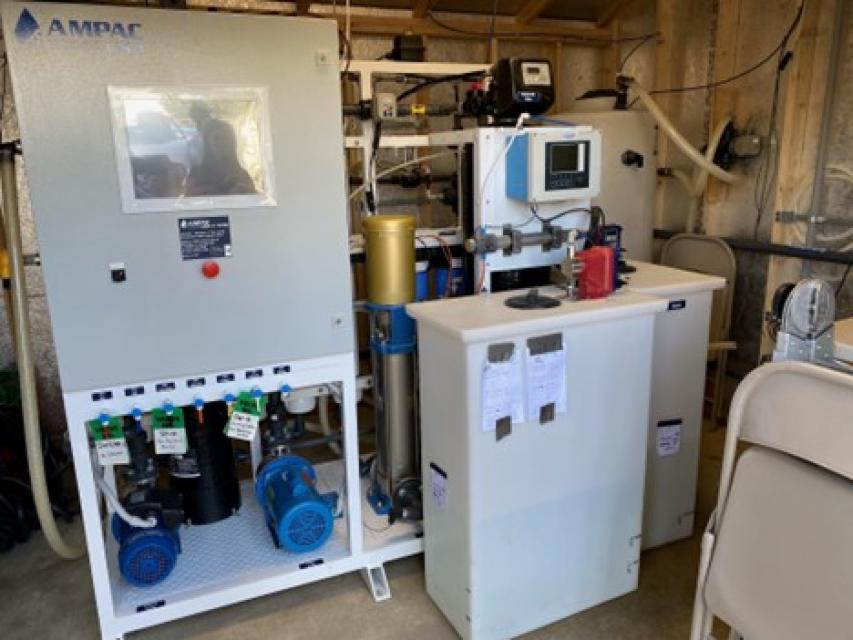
pixel 300 519
pixel 147 556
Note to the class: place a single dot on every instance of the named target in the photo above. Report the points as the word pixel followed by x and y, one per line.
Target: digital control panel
pixel 554 164
pixel 567 166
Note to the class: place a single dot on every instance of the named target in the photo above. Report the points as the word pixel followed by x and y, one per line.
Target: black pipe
pixel 315 442
pixel 771 248
pixel 357 181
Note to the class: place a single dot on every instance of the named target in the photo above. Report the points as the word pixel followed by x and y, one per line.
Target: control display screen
pixel 565 158
pixel 567 165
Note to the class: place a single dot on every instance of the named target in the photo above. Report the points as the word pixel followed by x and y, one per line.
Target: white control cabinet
pixel 529 522
pixel 678 384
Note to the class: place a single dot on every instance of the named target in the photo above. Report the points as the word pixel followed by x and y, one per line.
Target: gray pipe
pixel 26 367
pixel 825 130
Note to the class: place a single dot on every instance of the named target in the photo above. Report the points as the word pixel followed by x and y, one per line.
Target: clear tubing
pixel 115 503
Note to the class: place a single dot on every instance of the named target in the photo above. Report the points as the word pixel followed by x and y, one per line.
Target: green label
pixel 245 403
pixel 162 420
pixel 114 428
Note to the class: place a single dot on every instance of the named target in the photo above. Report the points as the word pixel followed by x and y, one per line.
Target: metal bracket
pixel 377 582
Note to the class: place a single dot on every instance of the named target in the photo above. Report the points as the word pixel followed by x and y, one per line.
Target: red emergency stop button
pixel 210 269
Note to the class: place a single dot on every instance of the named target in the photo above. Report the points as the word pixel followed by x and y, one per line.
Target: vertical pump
pixel 390 246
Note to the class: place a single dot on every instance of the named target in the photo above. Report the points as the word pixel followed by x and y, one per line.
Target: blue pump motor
pixel 299 517
pixel 146 556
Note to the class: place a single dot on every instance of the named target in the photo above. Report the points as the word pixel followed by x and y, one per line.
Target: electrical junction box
pixel 554 164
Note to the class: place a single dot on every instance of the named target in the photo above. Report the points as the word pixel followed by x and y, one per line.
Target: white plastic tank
pixel 628 182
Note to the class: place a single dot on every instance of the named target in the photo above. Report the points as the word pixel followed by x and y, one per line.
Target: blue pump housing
pixel 146 556
pixel 399 329
pixel 298 516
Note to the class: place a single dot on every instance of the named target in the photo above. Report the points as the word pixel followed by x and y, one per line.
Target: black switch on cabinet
pixel 633 159
pixel 118 273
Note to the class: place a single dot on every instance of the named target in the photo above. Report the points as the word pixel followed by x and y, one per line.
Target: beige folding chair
pixel 712 256
pixel 777 559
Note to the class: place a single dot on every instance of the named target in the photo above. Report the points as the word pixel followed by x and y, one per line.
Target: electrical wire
pixel 471 75
pixel 482 280
pixel 769 166
pixel 634 50
pixel 494 25
pixel 514 226
pixel 718 83
pixel 402 165
pixel 348 48
pixel 519 127
pixel 529 34
pixel 843 281
pixel 557 216
pixel 448 256
pixel 554 121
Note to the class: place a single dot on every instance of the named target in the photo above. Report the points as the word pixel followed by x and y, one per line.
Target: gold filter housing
pixel 390 247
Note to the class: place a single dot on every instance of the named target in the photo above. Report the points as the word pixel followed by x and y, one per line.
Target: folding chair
pixel 777 559
pixel 712 256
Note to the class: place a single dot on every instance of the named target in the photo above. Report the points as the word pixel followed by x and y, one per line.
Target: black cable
pixel 494 24
pixel 348 46
pixel 780 47
pixel 843 281
pixel 374 150
pixel 531 34
pixel 471 75
pixel 556 216
pixel 634 50
pixel 769 162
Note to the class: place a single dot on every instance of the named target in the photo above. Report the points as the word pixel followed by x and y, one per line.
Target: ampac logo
pixel 28 27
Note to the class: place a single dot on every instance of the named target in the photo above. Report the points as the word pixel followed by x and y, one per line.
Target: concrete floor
pixel 44 598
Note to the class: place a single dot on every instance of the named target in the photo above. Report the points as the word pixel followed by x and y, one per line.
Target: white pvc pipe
pixel 325 427
pixel 685 179
pixel 680 141
pixel 700 181
pixel 115 503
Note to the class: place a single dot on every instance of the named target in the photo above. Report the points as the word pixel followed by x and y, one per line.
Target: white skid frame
pixel 358 549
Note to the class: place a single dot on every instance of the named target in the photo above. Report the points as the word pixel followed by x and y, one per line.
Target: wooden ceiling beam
pixel 303 6
pixel 611 11
pixel 467 28
pixel 423 7
pixel 476 28
pixel 531 10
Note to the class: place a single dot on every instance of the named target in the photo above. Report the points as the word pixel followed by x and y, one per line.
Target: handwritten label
pixel 668 437
pixel 242 426
pixel 170 434
pixel 439 486
pixel 110 445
